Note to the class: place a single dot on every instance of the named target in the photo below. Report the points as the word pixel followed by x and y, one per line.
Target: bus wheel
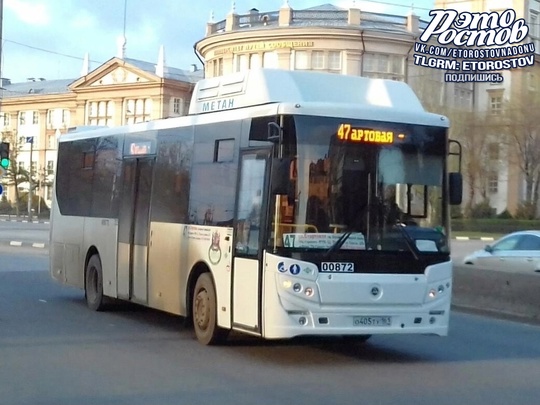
pixel 204 312
pixel 93 286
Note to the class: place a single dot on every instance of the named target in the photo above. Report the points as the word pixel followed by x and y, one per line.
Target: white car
pixel 517 251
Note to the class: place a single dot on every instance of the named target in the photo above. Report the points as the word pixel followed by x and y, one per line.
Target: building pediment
pixel 114 72
pixel 119 75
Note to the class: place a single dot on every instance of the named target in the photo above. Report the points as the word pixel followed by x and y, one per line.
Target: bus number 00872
pixel 338 267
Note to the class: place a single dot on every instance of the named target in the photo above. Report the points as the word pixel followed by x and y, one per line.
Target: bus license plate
pixel 372 321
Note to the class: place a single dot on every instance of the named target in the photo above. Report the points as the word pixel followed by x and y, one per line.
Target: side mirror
pixel 455 185
pixel 275 133
pixel 279 176
pixel 488 249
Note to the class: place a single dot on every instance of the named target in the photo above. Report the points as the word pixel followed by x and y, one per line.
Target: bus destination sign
pixel 348 133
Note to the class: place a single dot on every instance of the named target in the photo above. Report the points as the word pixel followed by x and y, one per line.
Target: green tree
pixel 521 124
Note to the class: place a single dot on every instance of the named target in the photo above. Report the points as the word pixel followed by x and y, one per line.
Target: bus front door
pixel 247 271
pixel 133 225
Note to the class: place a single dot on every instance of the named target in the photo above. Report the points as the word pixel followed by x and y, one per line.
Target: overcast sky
pixel 49 38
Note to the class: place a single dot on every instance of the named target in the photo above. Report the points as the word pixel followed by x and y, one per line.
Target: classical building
pixel 324 38
pixel 35 113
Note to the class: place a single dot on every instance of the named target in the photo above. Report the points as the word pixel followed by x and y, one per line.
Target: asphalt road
pixel 53 350
pixel 22 233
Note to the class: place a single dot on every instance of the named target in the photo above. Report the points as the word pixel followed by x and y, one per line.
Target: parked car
pixel 517 251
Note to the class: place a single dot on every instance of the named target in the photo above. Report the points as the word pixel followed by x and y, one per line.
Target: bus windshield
pixel 363 185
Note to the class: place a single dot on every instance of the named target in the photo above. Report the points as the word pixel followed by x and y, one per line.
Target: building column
pixel 284 58
pixel 118 117
pixel 77 117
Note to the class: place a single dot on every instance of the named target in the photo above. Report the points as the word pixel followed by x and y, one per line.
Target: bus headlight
pixel 297 287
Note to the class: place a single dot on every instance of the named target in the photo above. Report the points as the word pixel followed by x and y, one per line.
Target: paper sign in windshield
pixel 355 241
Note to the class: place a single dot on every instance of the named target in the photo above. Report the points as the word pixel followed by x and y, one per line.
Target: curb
pixel 24 220
pixel 27 244
pixel 486 238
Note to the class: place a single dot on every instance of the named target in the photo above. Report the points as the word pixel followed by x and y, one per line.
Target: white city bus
pixel 285 204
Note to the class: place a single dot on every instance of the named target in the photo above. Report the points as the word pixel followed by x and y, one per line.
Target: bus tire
pixel 204 312
pixel 93 284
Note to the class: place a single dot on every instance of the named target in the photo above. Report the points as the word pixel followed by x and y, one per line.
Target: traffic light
pixel 4 155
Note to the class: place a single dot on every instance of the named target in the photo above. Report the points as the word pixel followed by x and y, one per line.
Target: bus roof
pixel 264 86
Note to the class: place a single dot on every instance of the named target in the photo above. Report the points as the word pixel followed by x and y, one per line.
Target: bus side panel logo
pixel 214 251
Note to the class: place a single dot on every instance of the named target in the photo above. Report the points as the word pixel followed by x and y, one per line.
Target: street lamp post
pixel 30 140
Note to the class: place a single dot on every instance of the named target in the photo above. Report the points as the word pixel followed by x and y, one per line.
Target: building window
pixel 242 63
pixel 65 116
pixel 5 119
pixel 33 168
pixel 255 61
pixel 534 30
pixel 463 95
pixel 301 60
pixel 495 104
pixel 21 166
pixel 317 60
pixel 35 117
pixel 384 66
pixel 22 118
pixel 270 60
pixel 50 167
pixel 178 106
pixel 218 67
pixel 100 113
pixel 51 141
pixel 493 152
pixel 138 110
pixel 334 60
pixel 493 182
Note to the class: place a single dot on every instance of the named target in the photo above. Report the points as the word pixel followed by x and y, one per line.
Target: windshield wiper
pixel 408 241
pixel 339 243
